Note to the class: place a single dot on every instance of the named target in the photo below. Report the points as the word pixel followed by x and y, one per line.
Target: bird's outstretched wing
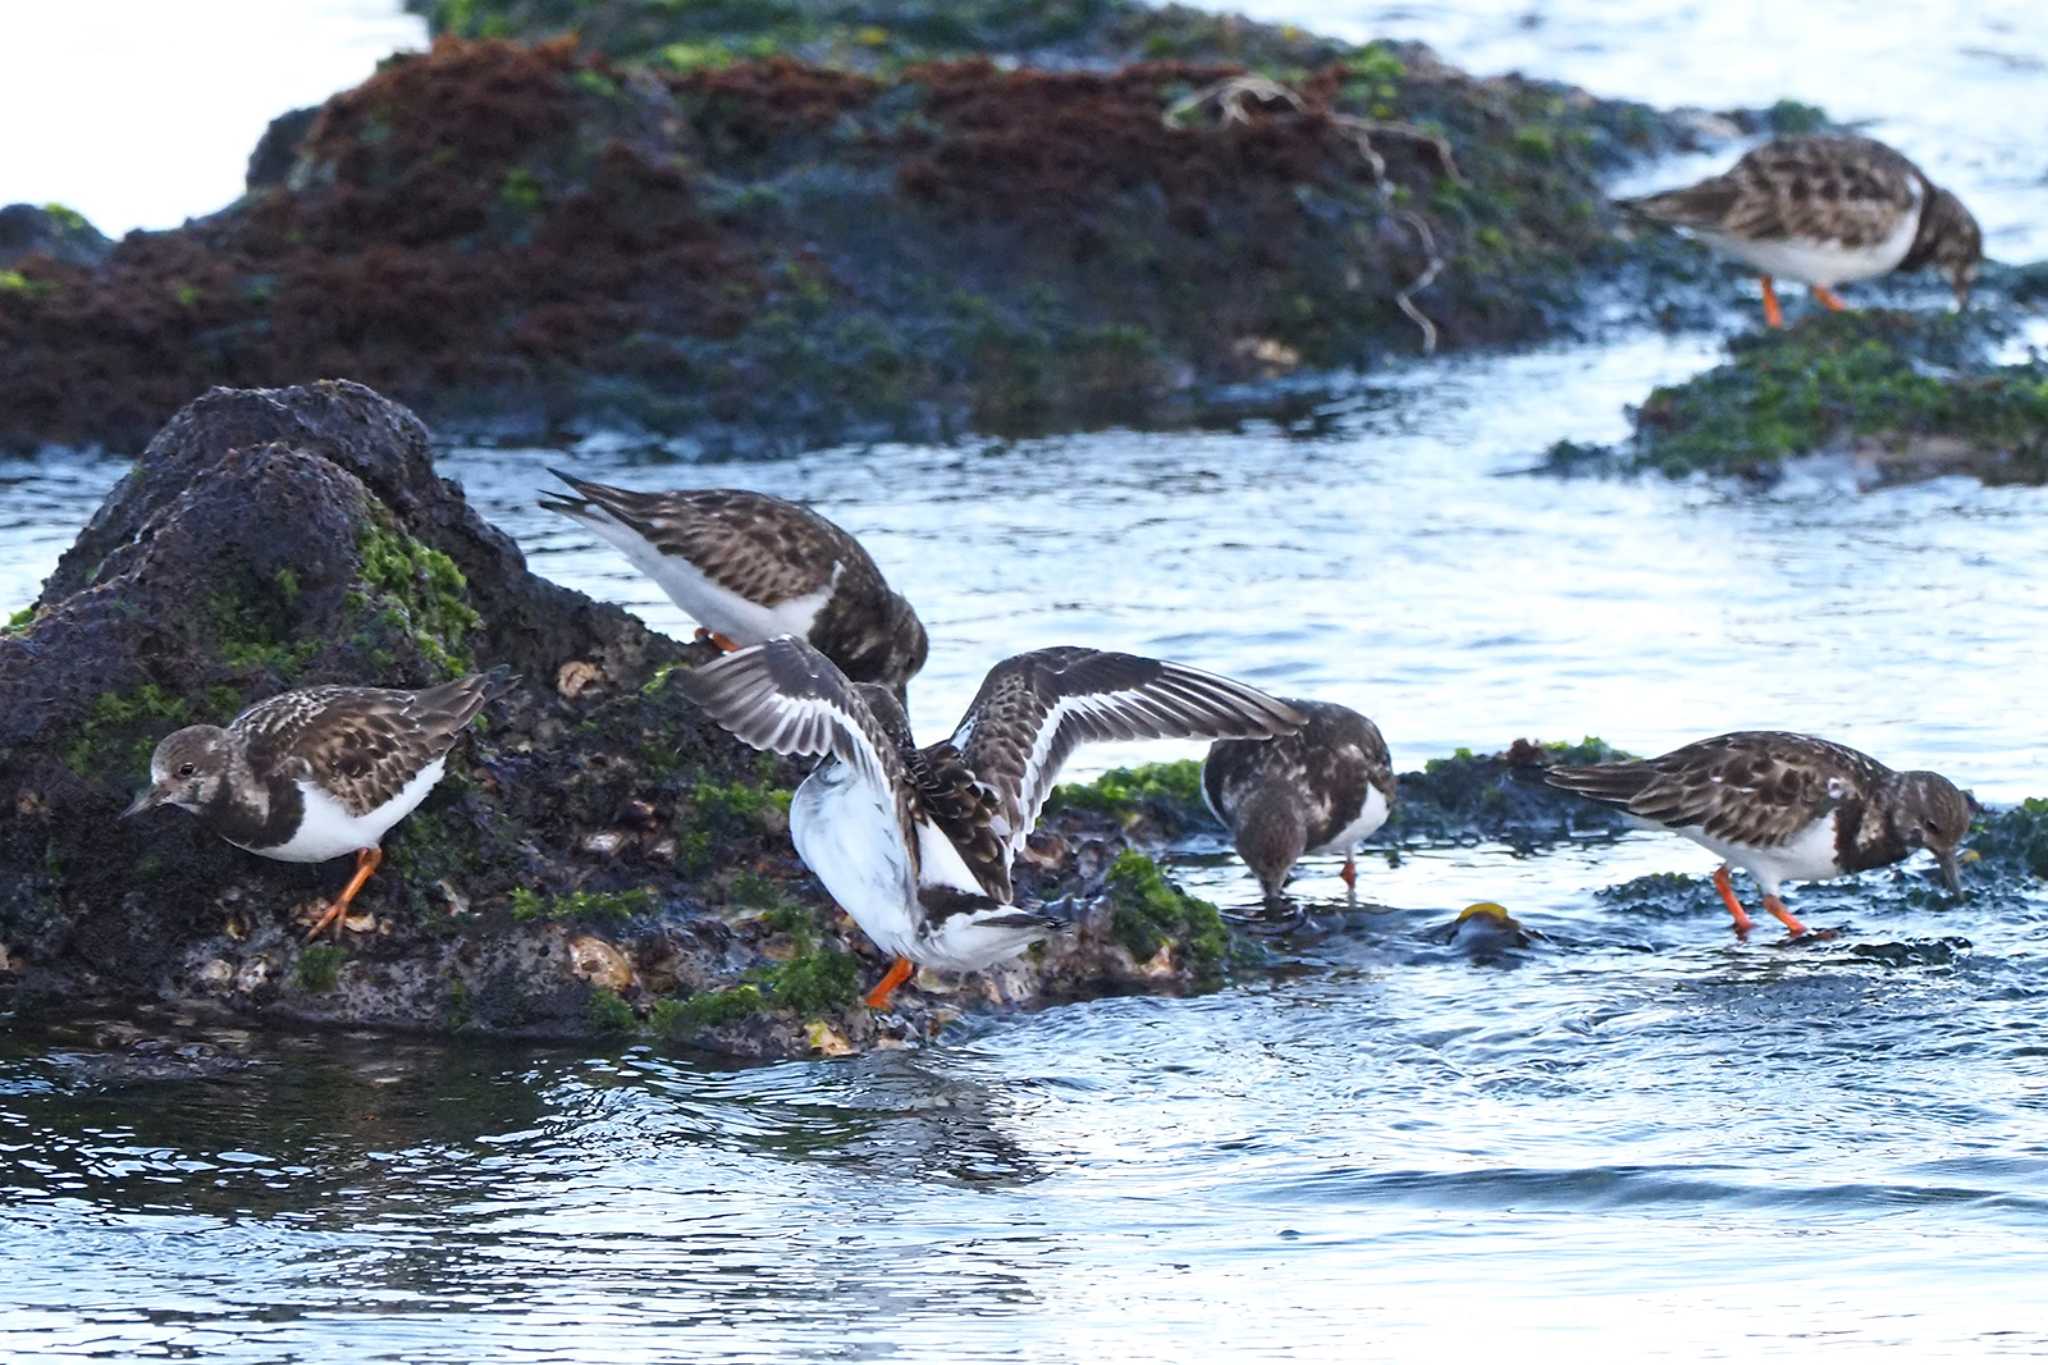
pixel 1035 709
pixel 786 697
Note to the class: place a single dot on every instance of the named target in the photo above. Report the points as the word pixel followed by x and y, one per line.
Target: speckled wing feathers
pixel 361 744
pixel 1033 710
pixel 1757 788
pixel 786 697
pixel 766 549
pixel 1327 768
pixel 1850 190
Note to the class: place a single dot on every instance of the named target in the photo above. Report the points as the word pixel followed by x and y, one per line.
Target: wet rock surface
pixel 533 239
pixel 598 859
pixel 1464 799
pixel 1905 396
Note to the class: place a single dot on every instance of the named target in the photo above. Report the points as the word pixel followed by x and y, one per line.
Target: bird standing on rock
pixel 1784 807
pixel 1825 210
pixel 1319 790
pixel 916 843
pixel 749 567
pixel 317 773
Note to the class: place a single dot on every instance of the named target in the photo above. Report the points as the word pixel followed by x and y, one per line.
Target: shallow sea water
pixel 1636 1138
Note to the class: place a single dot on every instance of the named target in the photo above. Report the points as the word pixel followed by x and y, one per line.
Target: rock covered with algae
pixel 1903 396
pixel 598 860
pixel 538 237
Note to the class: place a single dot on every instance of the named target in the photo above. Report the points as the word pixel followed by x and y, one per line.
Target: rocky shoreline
pixel 600 860
pixel 765 251
pixel 1903 396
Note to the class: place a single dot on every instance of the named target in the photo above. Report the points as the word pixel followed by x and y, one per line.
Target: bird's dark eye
pixel 186 769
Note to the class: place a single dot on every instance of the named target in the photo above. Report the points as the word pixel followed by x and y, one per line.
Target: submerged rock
pixel 1466 798
pixel 598 859
pixel 1904 395
pixel 528 239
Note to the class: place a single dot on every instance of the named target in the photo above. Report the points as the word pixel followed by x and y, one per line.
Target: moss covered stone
pixel 678 1018
pixel 883 36
pixel 554 236
pixel 1912 393
pixel 1151 789
pixel 822 980
pixel 2018 836
pixel 609 1012
pixel 528 904
pixel 417 589
pixel 121 731
pixel 742 805
pixel 319 967
pixel 1150 913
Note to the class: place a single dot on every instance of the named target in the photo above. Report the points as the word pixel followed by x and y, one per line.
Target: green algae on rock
pixel 1461 798
pixel 885 35
pixel 1906 395
pixel 598 859
pixel 1156 801
pixel 1152 916
pixel 539 239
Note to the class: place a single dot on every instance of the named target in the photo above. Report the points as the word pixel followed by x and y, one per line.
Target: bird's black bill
pixel 144 800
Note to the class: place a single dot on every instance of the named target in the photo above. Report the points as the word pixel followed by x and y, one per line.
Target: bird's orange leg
pixel 1350 872
pixel 1743 923
pixel 878 998
pixel 1785 917
pixel 1774 316
pixel 367 861
pixel 724 642
pixel 1827 298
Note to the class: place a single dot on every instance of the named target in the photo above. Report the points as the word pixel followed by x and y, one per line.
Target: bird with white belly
pixel 1825 211
pixel 1784 807
pixel 916 843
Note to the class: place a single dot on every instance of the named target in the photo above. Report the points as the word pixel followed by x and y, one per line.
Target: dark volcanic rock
pixel 874 36
pixel 52 232
pixel 599 858
pixel 1466 798
pixel 1903 395
pixel 277 151
pixel 535 238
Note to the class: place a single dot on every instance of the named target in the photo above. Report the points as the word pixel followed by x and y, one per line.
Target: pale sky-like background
pixel 142 113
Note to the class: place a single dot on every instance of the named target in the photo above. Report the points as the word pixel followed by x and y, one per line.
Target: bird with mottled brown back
pixel 319 772
pixel 749 567
pixel 1825 210
pixel 1784 807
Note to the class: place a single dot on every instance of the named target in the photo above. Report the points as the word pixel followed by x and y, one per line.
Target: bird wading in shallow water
pixel 1825 211
pixel 1319 790
pixel 916 843
pixel 748 567
pixel 314 774
pixel 1783 807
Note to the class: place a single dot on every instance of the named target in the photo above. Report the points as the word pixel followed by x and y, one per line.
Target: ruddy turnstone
pixel 916 843
pixel 1319 790
pixel 749 567
pixel 1825 211
pixel 1783 807
pixel 313 774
